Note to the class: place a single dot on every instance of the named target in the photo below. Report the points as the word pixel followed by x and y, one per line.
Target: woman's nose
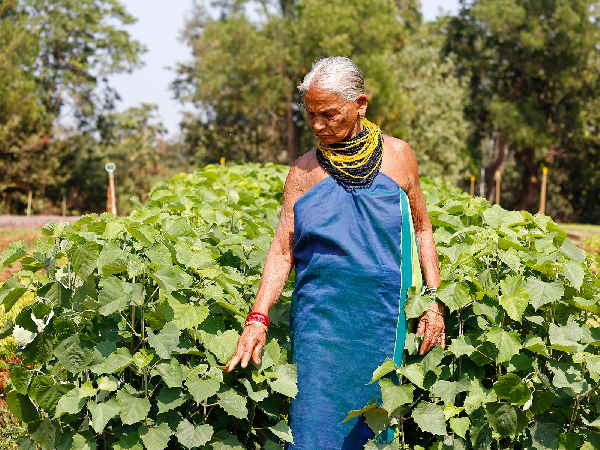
pixel 318 125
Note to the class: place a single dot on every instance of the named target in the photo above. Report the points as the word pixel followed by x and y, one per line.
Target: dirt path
pixel 32 221
pixel 26 229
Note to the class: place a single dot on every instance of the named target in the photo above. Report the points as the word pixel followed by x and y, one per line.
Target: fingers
pixel 421 326
pixel 432 328
pixel 250 345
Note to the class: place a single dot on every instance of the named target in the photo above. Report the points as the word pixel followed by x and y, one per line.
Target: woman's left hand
pixel 432 328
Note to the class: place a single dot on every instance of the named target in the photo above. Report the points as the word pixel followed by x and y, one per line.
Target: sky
pixel 159 28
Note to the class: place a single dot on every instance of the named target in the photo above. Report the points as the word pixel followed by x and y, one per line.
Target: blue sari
pixel 355 258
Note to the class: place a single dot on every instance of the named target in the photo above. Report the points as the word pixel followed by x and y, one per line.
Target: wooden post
pixel 111 198
pixel 472 188
pixel 544 190
pixel 498 177
pixel 482 183
pixel 29 201
pixel 222 160
pixel 63 204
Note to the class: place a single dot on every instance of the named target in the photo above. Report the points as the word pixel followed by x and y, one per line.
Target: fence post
pixel 472 188
pixel 29 201
pixel 111 198
pixel 498 176
pixel 544 190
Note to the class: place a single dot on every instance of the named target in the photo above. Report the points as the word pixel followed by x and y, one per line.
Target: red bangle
pixel 258 317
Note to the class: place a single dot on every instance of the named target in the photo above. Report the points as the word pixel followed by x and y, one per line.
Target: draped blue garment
pixel 354 252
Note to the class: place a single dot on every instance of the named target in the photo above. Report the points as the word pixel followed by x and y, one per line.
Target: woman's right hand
pixel 250 344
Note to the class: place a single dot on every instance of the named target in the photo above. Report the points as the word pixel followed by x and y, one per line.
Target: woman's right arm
pixel 276 270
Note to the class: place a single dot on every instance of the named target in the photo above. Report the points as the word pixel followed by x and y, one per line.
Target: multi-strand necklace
pixel 354 162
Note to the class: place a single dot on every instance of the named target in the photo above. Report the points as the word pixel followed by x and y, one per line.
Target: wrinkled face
pixel 330 117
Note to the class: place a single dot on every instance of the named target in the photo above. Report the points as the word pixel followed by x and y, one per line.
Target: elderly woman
pixel 346 224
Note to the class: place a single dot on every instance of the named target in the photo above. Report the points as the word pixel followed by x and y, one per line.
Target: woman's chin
pixel 327 140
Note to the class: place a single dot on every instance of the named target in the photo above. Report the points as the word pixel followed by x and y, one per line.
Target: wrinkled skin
pixel 332 119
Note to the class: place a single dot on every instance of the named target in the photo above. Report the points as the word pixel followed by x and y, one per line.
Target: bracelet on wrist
pixel 256 322
pixel 256 316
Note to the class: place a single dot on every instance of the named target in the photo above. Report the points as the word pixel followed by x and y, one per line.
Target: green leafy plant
pixel 134 319
pixel 522 367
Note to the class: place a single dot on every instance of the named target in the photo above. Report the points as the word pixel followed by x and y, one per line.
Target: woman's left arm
pixel 431 324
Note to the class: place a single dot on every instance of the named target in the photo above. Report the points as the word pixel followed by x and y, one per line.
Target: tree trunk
pixel 292 134
pixel 501 150
pixel 529 180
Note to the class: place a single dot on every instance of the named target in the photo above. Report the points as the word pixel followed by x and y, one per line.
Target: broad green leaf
pixel 166 341
pixel 574 272
pixel 569 249
pixel 514 298
pixel 286 380
pixel 203 389
pixel 462 345
pixel 107 384
pixel 566 338
pixel 282 431
pixel 115 362
pixel 509 387
pixel 415 372
pixel 81 442
pixel 13 252
pixel 46 392
pixel 536 345
pixel 84 259
pixel 448 390
pixel 70 403
pixel 21 407
pixel 506 420
pixel 430 418
pixel 233 403
pixel 132 409
pixel 171 373
pixel 377 419
pixel 171 278
pixel 542 292
pixel 257 396
pixel 10 293
pixel 45 434
pixel 394 395
pixel 192 436
pixel 187 315
pixel 112 260
pixel 454 295
pixel 222 346
pixel 416 306
pixel 460 425
pixel 477 395
pixel 507 343
pixel 102 413
pixel 116 295
pixel 169 399
pixel 20 378
pixel 386 367
pixel 157 437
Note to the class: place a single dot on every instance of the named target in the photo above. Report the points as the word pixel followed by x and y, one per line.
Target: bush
pixel 134 321
pixel 523 363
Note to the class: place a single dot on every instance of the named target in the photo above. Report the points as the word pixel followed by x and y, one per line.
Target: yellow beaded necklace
pixel 342 155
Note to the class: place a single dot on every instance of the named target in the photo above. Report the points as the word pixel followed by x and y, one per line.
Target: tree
pixel 532 68
pixel 58 56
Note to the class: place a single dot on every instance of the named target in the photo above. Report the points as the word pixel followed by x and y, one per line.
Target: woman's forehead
pixel 316 99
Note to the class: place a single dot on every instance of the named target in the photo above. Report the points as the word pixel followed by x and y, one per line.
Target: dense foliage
pixel 522 366
pixel 134 318
pixel 255 112
pixel 532 68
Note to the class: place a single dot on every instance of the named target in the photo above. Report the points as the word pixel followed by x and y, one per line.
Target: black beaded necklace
pixel 354 162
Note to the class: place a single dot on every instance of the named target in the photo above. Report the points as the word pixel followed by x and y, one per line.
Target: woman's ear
pixel 362 101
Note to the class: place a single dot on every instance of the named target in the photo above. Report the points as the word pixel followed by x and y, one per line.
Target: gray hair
pixel 337 74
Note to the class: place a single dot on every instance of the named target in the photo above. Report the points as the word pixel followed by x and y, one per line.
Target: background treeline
pixel 508 85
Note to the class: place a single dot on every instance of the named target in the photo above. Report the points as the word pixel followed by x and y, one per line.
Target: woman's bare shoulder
pixel 401 155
